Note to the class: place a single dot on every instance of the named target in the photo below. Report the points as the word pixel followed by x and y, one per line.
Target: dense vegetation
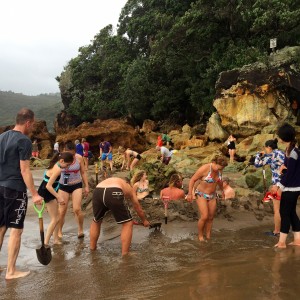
pixel 166 55
pixel 45 107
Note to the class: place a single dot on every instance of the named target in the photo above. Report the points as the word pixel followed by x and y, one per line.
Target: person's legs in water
pixel 126 236
pixel 62 210
pixel 295 221
pixel 52 208
pixel 285 213
pixel 203 211
pixel 212 206
pixel 14 244
pixel 2 233
pixel 94 234
pixel 277 219
pixel 76 200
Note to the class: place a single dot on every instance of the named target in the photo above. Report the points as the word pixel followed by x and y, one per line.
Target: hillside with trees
pixel 45 106
pixel 165 58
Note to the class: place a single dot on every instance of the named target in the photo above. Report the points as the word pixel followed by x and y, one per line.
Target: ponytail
pixel 66 156
pixel 291 147
pixel 272 144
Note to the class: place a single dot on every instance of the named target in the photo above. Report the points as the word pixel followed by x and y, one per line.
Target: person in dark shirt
pixel 290 186
pixel 79 148
pixel 106 153
pixel 15 179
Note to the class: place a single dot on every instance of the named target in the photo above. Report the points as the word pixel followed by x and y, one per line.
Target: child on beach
pixel 275 158
pixel 49 191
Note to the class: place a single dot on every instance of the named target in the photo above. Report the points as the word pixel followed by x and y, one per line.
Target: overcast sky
pixel 39 37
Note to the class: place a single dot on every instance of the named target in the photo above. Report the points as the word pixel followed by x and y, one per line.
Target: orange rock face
pixel 117 132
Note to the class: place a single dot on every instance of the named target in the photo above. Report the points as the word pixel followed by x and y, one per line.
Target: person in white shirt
pixel 166 154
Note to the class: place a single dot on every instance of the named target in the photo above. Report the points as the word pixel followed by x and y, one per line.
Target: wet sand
pixel 238 263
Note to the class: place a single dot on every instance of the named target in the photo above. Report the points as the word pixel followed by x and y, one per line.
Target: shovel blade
pixel 155 225
pixel 44 255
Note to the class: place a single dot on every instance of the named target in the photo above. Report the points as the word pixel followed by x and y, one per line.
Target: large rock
pixel 245 115
pixel 149 126
pixel 179 137
pixel 214 129
pixel 118 132
pixel 258 95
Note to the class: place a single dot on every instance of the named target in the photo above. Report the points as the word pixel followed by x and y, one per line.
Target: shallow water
pixel 166 264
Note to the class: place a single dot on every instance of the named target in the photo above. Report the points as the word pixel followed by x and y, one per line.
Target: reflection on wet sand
pixel 170 264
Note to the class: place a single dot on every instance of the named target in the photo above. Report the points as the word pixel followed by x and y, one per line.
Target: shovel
pixel 166 200
pixel 44 254
pixel 156 225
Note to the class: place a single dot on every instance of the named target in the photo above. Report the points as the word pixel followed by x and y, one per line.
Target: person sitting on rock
pixel 140 184
pixel 174 190
pixel 228 190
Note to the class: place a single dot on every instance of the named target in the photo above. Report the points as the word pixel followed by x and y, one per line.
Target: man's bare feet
pixel 201 238
pixel 58 242
pixel 16 274
pixel 280 245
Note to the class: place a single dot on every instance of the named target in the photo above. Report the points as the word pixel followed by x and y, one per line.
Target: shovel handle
pixel 41 224
pixel 166 200
pixel 39 211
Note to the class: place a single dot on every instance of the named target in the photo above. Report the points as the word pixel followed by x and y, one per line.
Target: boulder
pixel 257 95
pixel 179 137
pixel 214 129
pixel 117 131
pixel 149 126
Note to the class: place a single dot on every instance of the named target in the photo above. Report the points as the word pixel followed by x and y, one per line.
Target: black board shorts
pixel 13 208
pixel 112 198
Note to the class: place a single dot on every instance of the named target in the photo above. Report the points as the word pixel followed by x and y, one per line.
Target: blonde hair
pixel 137 176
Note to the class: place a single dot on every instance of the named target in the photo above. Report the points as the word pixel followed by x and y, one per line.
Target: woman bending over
pixel 49 191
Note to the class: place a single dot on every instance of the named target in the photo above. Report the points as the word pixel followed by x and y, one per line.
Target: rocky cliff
pixel 256 96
